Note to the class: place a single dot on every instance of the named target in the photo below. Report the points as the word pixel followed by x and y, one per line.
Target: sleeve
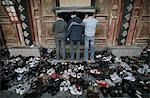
pixel 68 32
pixel 65 26
pixel 83 22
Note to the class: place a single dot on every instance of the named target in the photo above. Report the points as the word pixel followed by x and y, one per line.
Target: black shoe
pixel 104 92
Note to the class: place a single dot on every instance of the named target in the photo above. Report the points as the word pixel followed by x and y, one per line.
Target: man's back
pixel 90 26
pixel 75 29
pixel 59 28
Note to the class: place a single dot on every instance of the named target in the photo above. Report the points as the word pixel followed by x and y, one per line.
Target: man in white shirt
pixel 90 24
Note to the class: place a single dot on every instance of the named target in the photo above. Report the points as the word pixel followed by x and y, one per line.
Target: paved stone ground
pixel 7 94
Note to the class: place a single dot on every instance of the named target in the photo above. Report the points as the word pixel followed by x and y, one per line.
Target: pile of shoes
pixel 109 75
pixel 145 55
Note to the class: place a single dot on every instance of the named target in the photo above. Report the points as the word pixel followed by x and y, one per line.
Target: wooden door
pixel 8 29
pixel 43 18
pixel 109 14
pixel 141 34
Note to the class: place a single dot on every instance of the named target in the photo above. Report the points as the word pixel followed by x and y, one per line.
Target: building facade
pixel 121 22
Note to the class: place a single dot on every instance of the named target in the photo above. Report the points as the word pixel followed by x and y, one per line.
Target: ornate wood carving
pixel 8 30
pixel 142 31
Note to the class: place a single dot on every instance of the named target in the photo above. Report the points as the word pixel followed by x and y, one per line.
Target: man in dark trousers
pixel 60 30
pixel 74 33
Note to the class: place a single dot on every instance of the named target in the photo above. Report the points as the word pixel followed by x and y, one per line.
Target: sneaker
pixel 62 86
pixel 98 56
pixel 107 58
pixel 65 75
pixel 73 74
pixel 19 77
pixel 25 88
pixel 92 61
pixel 79 75
pixel 115 78
pixel 75 90
pixel 51 71
pixel 18 88
pixel 67 85
pixel 110 83
pixel 141 70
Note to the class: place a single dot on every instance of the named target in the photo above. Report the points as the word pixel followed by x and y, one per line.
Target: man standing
pixel 90 24
pixel 60 30
pixel 75 30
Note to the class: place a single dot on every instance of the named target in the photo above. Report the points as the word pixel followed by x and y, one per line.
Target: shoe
pixel 118 60
pixel 98 56
pixel 102 84
pixel 62 85
pixel 141 70
pixel 55 76
pixel 51 71
pixel 75 90
pixel 104 92
pixel 19 76
pixel 95 71
pixel 92 61
pixel 18 88
pixel 73 74
pixel 79 75
pixel 107 58
pixel 110 83
pixel 19 70
pixel 67 85
pixel 115 78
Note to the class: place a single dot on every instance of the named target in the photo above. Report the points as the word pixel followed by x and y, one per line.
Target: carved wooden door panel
pixel 43 18
pixel 9 30
pixel 142 30
pixel 108 13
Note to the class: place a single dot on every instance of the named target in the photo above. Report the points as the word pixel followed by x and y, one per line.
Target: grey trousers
pixel 60 47
pixel 72 44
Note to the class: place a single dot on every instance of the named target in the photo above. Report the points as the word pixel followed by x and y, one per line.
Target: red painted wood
pixel 131 31
pixel 120 13
pixel 111 31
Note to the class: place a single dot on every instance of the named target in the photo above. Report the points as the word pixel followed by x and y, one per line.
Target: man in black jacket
pixel 74 33
pixel 60 30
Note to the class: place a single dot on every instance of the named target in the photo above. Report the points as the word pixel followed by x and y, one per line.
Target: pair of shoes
pixel 76 75
pixel 75 90
pixel 55 87
pixel 91 94
pixel 93 87
pixel 98 56
pixel 64 86
pixel 102 84
pixel 21 70
pixel 104 91
pixel 106 59
pixel 22 89
pixel 115 78
pixel 95 71
pixel 110 83
pixel 55 76
pixel 51 71
pixel 66 74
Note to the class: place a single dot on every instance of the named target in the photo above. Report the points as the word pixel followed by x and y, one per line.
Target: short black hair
pixel 73 13
pixel 90 14
pixel 59 15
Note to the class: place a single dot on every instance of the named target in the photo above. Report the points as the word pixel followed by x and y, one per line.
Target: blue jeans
pixel 89 42
pixel 60 47
pixel 72 44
